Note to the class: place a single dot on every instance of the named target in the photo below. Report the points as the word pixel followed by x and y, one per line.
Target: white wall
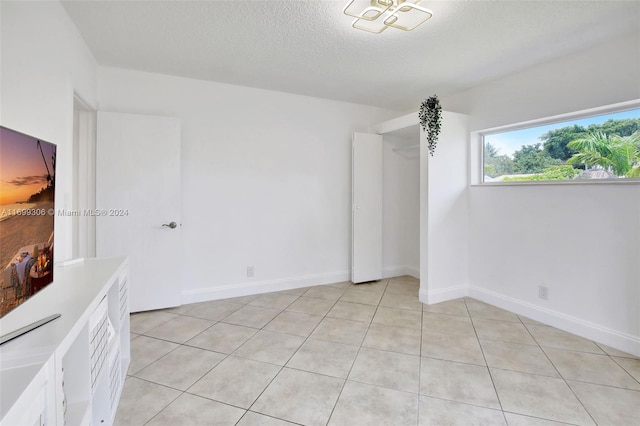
pixel 605 74
pixel 400 207
pixel 266 176
pixel 582 242
pixel 266 179
pixel 43 61
pixel 444 242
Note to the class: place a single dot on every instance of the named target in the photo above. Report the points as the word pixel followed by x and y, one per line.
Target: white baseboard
pixel 615 339
pixel 398 271
pixel 413 271
pixel 442 295
pixel 258 287
pixel 621 341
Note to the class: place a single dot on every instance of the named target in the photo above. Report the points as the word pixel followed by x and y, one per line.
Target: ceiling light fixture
pixel 375 16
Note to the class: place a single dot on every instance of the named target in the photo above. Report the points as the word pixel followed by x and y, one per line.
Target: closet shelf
pixel 406 148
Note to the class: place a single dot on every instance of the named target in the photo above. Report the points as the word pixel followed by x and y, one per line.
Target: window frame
pixel 477 146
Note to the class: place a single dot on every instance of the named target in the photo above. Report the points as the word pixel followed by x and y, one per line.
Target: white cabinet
pixel 71 370
pixel 36 406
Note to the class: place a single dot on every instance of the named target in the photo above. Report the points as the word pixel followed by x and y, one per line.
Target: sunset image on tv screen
pixel 27 192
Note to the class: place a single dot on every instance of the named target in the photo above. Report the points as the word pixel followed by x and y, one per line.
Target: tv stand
pixel 72 370
pixel 27 328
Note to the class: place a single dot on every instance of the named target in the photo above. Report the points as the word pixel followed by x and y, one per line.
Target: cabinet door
pixel 34 407
pixel 366 244
pixel 34 415
pixel 138 189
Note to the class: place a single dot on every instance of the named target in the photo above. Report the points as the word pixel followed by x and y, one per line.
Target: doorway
pixel 401 202
pixel 387 200
pixel 84 179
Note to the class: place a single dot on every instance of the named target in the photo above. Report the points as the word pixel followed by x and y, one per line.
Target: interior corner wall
pixel 580 241
pixel 266 180
pixel 43 61
pixel 400 207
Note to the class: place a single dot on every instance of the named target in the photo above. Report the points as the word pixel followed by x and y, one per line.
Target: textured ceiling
pixel 309 47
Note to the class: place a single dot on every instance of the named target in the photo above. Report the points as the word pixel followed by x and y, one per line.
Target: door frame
pixel 83 227
pixel 399 123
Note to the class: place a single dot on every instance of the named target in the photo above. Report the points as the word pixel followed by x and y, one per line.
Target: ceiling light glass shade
pixel 375 26
pixel 375 16
pixel 366 9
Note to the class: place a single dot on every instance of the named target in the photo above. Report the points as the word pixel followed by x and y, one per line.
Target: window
pixel 584 149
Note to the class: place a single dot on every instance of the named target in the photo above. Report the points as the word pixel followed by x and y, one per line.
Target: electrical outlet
pixel 543 292
pixel 250 271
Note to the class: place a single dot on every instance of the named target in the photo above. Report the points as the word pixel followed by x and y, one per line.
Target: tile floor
pixel 368 354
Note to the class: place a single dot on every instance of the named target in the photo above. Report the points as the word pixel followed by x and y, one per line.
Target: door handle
pixel 171 225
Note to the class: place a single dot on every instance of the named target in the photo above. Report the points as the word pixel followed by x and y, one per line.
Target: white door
pixel 138 188
pixel 366 243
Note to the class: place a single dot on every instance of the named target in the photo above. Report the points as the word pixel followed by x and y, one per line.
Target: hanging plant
pixel 430 118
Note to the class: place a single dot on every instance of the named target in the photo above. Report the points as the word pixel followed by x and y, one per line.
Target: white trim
pixel 586 182
pixel 398 271
pixel 397 123
pixel 413 271
pixel 576 115
pixel 84 176
pixel 442 295
pixel 615 339
pixel 259 287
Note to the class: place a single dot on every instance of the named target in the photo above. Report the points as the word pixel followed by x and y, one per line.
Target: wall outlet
pixel 250 271
pixel 543 292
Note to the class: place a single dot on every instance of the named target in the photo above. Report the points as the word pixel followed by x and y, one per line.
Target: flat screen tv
pixel 27 212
